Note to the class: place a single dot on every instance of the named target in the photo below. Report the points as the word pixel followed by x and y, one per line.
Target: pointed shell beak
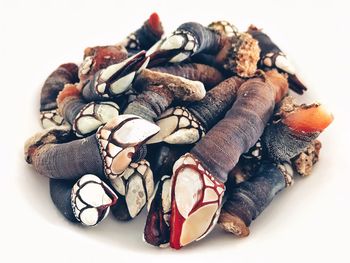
pixel 120 138
pixel 91 200
pixel 196 198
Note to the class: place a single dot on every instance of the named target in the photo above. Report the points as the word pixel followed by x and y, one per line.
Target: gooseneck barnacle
pixel 106 153
pixel 84 117
pixel 174 124
pixel 146 36
pixel 134 187
pixel 119 139
pixel 114 80
pixel 272 57
pixel 87 201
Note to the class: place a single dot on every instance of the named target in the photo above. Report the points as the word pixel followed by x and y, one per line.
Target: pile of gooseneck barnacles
pixel 199 126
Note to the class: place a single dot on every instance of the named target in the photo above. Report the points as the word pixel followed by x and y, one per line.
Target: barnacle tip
pixel 155 24
pixel 233 224
pixel 309 118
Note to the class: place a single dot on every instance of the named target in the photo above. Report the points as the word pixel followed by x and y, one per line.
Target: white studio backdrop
pixel 308 222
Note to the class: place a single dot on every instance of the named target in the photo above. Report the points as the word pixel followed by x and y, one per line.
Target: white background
pixel 308 222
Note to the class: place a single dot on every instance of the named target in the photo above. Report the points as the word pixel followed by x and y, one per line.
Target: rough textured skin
pixel 216 102
pixel 150 103
pixel 283 143
pixel 182 89
pixel 159 90
pixel 304 162
pixel 245 202
pixel 208 75
pixel 240 55
pixel 281 140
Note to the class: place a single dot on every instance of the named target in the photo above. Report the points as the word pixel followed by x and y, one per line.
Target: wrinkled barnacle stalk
pixel 156 230
pixel 247 200
pixel 100 57
pixel 64 74
pixel 186 125
pixel 84 117
pixel 195 209
pixel 271 56
pixel 87 201
pixel 114 80
pixel 106 153
pixel 134 188
pixel 208 75
pixel 224 28
pixel 237 53
pixel 146 36
pixel 295 127
pixel 159 90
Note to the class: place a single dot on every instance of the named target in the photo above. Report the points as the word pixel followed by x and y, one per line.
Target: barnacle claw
pixel 196 198
pixel 175 48
pixel 93 115
pixel 100 57
pixel 117 78
pixel 280 61
pixel 51 118
pixel 120 138
pixel 135 185
pixel 84 117
pixel 157 228
pixel 91 200
pixel 178 126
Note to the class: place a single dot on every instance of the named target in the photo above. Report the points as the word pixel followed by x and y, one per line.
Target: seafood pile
pixel 199 126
